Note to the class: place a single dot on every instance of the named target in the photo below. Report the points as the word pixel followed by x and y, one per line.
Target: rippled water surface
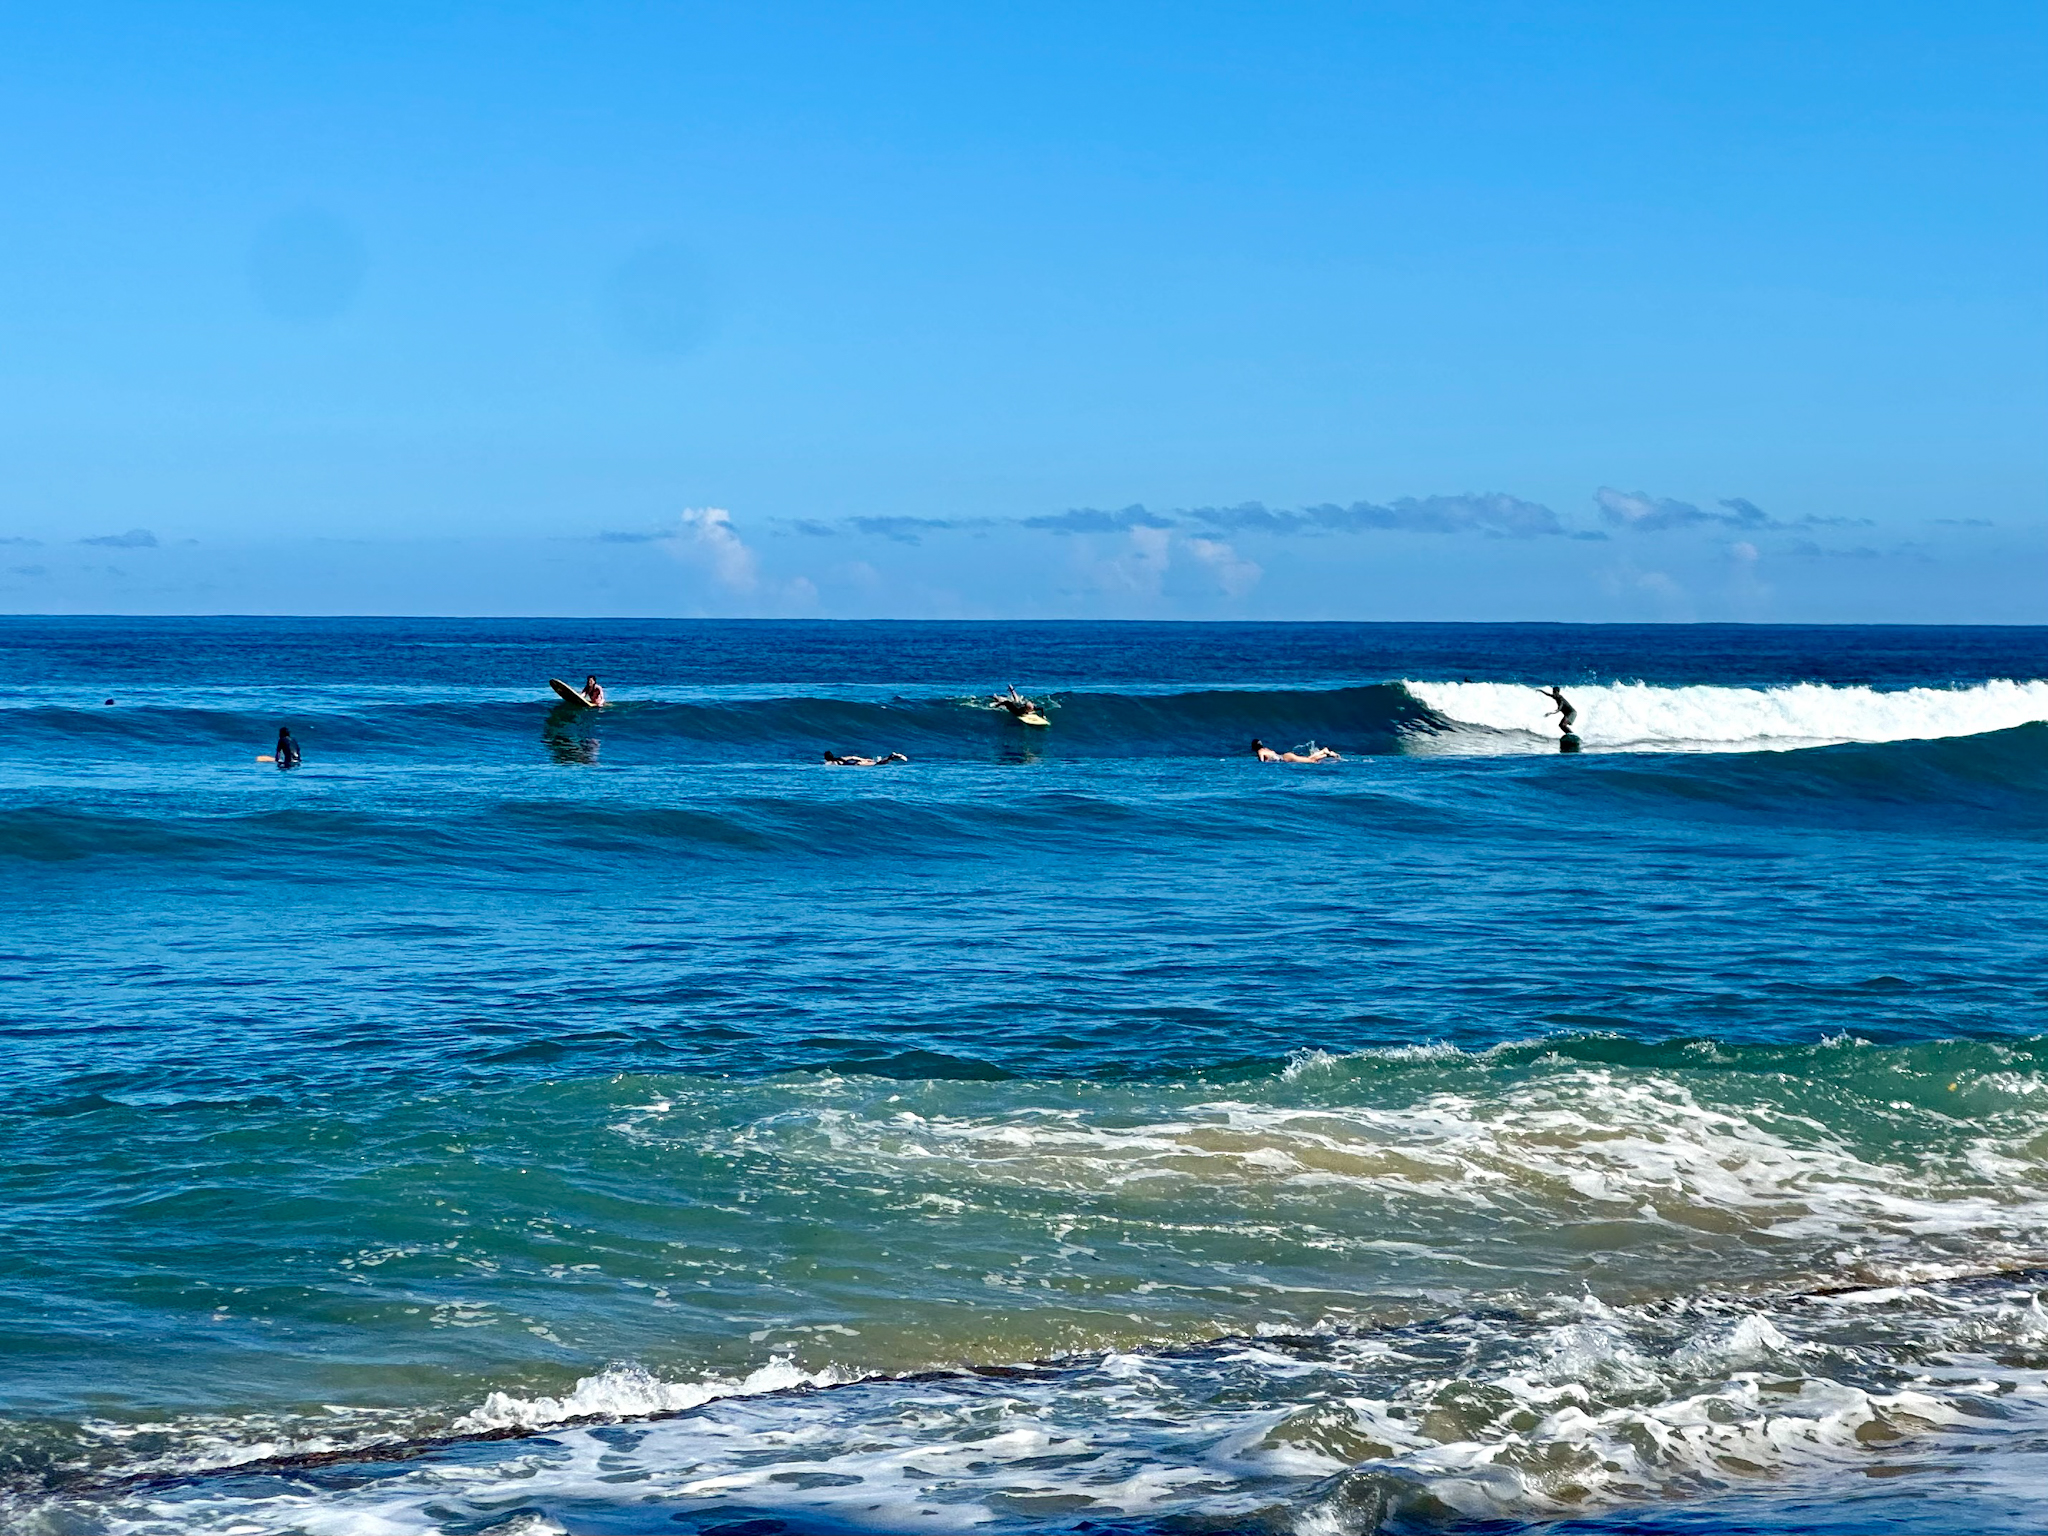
pixel 527 1119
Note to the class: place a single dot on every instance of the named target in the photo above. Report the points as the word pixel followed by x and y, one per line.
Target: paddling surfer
pixel 1014 702
pixel 1266 754
pixel 1567 716
pixel 834 760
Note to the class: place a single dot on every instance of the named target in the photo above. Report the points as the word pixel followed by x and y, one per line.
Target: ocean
pixel 527 1120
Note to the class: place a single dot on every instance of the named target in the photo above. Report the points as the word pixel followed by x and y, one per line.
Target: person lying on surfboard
pixel 834 760
pixel 1266 754
pixel 1014 702
pixel 593 690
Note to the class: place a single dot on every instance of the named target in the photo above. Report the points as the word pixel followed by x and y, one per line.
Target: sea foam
pixel 1722 718
pixel 1563 1408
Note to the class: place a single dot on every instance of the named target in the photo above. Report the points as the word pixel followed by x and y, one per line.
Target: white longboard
pixel 570 695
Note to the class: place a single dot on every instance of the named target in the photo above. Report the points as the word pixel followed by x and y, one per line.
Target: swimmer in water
pixel 1564 711
pixel 834 760
pixel 287 754
pixel 1266 754
pixel 593 690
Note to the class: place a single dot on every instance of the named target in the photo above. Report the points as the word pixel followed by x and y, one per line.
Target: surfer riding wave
pixel 1015 703
pixel 1567 716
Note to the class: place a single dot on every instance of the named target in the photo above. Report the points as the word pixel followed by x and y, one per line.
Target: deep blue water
pixel 622 1120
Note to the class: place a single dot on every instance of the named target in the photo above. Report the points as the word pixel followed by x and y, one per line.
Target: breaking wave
pixel 1557 1409
pixel 1436 717
pixel 1827 1253
pixel 1720 718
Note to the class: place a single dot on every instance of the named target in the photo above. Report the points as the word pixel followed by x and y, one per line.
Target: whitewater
pixel 1643 717
pixel 525 1122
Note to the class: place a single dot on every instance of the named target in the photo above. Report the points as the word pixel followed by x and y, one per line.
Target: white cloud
pixel 1626 580
pixel 706 535
pixel 1656 514
pixel 1140 568
pixel 1155 563
pixel 1747 590
pixel 1234 574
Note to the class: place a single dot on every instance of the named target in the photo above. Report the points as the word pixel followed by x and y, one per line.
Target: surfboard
pixel 265 757
pixel 1567 743
pixel 1031 716
pixel 569 695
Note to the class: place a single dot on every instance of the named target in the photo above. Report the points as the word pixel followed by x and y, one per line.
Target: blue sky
pixel 1404 311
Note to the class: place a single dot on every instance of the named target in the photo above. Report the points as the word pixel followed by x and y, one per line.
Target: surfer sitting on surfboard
pixel 589 696
pixel 1266 754
pixel 287 755
pixel 834 760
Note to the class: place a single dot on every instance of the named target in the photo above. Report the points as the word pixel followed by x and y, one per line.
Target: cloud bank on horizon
pixel 1625 555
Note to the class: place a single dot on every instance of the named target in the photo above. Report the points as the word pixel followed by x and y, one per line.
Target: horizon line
pixel 1188 623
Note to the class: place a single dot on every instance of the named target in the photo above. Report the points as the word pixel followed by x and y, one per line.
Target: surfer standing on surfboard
pixel 1564 711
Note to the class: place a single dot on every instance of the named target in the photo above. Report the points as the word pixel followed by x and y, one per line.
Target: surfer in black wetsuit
pixel 834 760
pixel 593 690
pixel 1014 702
pixel 287 750
pixel 1567 716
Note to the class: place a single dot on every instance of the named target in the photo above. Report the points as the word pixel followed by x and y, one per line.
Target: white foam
pixel 1315 1173
pixel 629 1392
pixel 1315 1059
pixel 1637 715
pixel 1575 1145
pixel 1576 1408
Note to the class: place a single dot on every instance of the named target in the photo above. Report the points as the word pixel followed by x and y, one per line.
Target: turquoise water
pixel 519 1120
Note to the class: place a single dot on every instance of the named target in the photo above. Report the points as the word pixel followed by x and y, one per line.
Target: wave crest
pixel 1435 717
pixel 1720 718
pixel 632 1392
